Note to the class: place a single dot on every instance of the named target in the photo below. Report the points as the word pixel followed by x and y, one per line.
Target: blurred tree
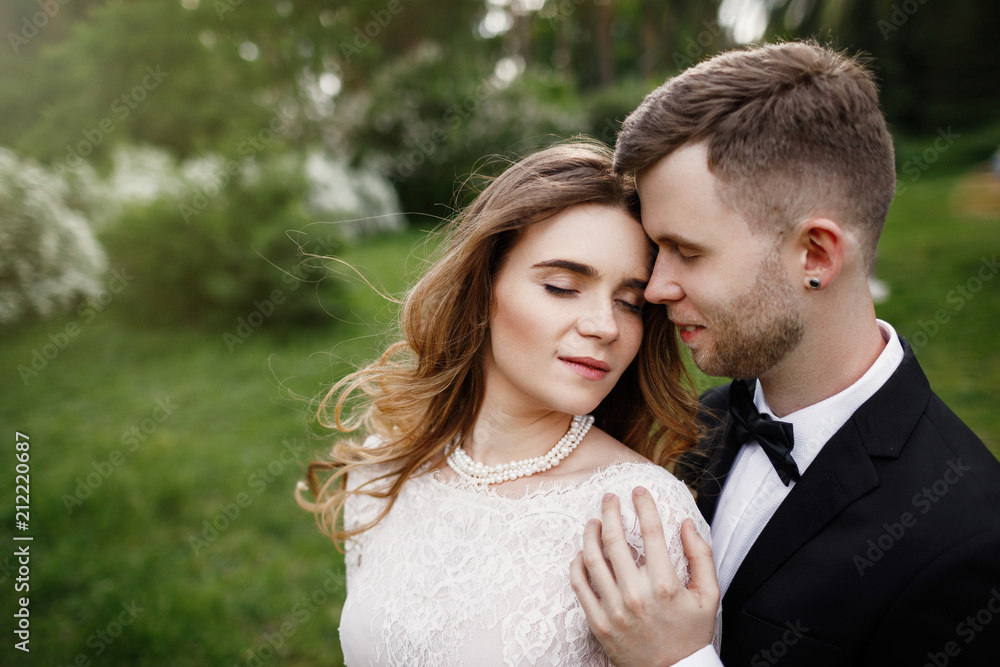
pixel 938 63
pixel 226 66
pixel 208 75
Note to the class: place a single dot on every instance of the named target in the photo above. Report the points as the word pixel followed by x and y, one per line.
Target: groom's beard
pixel 753 331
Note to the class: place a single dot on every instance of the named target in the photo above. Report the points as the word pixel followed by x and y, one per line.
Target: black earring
pixel 814 283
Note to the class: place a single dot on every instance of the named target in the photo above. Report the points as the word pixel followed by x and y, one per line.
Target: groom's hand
pixel 644 616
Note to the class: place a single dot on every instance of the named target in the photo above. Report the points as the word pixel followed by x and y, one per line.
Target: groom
pixel 855 519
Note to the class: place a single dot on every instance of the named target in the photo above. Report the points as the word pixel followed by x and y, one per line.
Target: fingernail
pixel 591 522
pixel 638 491
pixel 607 497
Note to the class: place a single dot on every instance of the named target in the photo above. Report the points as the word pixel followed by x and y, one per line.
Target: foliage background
pixel 190 516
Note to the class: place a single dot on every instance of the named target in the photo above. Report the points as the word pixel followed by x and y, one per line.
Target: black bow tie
pixel 774 437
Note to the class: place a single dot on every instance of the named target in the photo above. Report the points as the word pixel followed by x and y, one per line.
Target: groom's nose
pixel 662 286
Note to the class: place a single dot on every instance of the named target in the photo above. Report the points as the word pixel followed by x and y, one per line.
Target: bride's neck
pixel 500 436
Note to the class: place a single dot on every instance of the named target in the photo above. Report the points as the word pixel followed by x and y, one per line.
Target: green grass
pixel 935 261
pixel 260 575
pixel 210 596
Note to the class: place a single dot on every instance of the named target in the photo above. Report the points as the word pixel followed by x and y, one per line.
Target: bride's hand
pixel 644 615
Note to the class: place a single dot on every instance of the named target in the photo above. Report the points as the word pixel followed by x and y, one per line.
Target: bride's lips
pixel 588 367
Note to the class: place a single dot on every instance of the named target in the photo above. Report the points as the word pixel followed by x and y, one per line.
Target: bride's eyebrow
pixel 587 270
pixel 576 267
pixel 635 283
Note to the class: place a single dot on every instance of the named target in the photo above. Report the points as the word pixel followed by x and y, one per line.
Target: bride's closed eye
pixel 558 291
pixel 631 307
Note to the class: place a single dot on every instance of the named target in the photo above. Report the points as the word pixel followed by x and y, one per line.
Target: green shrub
pixel 430 120
pixel 232 246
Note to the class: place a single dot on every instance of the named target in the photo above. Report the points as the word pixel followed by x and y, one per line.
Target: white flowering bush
pixel 224 236
pixel 354 201
pixel 49 258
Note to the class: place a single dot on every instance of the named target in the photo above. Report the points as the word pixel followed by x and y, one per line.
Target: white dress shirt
pixel 753 491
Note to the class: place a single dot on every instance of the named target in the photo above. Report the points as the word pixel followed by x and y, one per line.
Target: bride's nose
pixel 599 322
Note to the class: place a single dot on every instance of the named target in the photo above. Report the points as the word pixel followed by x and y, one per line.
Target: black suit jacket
pixel 886 552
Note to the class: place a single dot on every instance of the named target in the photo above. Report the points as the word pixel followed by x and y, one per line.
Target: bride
pixel 530 381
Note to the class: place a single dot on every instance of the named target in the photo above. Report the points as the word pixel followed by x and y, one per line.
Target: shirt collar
pixel 813 425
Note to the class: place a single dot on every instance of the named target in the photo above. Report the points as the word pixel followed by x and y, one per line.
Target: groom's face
pixel 726 289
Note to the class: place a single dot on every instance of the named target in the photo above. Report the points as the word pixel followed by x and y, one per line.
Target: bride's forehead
pixel 606 238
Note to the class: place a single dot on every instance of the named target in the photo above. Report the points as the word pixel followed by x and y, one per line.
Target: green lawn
pixel 162 465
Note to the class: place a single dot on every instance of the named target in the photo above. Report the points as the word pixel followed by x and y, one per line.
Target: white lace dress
pixel 456 575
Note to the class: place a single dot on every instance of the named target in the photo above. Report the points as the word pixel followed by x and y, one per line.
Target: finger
pixel 704 582
pixel 578 579
pixel 613 536
pixel 596 567
pixel 658 563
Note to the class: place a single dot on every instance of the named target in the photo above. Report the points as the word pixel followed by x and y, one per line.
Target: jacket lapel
pixel 841 473
pixel 720 447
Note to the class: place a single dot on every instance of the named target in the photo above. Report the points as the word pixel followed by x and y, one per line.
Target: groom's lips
pixel 689 332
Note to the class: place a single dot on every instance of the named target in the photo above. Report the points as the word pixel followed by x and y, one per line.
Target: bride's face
pixel 566 319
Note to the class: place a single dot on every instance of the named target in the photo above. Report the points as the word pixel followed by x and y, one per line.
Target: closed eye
pixel 630 307
pixel 558 291
pixel 684 253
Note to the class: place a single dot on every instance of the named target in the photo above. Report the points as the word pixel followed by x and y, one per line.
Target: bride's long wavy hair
pixel 427 388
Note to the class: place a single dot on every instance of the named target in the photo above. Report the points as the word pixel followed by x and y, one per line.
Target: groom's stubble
pixel 755 330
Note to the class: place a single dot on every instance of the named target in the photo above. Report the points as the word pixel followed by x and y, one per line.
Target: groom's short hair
pixel 792 130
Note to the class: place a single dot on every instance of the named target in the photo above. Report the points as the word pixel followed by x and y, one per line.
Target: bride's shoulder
pixel 599 450
pixel 619 461
pixel 630 474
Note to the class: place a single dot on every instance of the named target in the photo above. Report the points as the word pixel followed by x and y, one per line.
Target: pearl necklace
pixel 480 474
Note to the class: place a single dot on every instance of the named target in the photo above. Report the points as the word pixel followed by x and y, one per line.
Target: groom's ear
pixel 821 245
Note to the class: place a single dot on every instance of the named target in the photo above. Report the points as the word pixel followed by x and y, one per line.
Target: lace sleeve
pixel 674 503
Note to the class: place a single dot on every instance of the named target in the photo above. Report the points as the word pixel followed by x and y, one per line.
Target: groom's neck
pixel 834 353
